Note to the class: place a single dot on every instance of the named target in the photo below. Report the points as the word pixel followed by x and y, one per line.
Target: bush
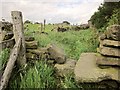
pixel 66 22
pixel 27 21
pixel 114 19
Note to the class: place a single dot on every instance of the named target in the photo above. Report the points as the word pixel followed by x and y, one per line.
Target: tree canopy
pixel 106 12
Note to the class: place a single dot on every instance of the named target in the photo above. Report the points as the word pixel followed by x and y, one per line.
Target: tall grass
pixel 73 42
pixel 41 75
pixel 4 55
pixel 38 76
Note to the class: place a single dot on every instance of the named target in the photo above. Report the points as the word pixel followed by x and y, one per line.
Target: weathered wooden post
pixel 19 33
pixel 44 24
pixel 19 51
pixel 41 27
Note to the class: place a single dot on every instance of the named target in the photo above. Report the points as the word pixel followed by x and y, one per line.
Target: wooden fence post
pixel 44 24
pixel 19 33
pixel 41 27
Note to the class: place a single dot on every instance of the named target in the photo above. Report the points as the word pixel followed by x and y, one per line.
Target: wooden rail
pixel 10 64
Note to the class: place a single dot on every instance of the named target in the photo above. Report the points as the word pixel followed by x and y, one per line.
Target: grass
pixel 40 75
pixel 4 55
pixel 73 42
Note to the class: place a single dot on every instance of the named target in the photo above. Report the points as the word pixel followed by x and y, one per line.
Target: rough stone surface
pixel 2 35
pixel 6 26
pixel 111 43
pixel 31 45
pixel 107 61
pixel 9 35
pixel 56 53
pixel 113 32
pixel 109 51
pixel 7 44
pixel 65 69
pixel 87 71
pixel 102 37
pixel 41 52
pixel 29 38
pixel 31 56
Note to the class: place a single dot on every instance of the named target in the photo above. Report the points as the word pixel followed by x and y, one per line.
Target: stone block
pixel 65 69
pixel 56 53
pixel 111 43
pixel 113 32
pixel 87 71
pixel 109 51
pixel 108 61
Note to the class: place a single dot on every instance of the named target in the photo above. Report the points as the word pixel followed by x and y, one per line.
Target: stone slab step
pixel 109 51
pixel 87 71
pixel 111 43
pixel 108 61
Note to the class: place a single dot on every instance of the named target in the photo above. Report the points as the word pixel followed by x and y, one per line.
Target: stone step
pixel 111 43
pixel 107 61
pixel 109 51
pixel 87 71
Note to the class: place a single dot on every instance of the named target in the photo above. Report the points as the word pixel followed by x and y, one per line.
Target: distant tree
pixel 27 21
pixel 66 22
pixel 36 23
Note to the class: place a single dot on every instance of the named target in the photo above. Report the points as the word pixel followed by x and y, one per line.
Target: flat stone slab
pixel 108 61
pixel 111 43
pixel 109 51
pixel 87 71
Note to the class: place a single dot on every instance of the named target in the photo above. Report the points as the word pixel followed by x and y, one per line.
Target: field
pixel 41 75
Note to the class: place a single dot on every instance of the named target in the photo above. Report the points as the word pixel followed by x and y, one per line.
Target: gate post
pixel 19 33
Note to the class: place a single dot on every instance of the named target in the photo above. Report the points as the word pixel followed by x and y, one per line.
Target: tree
pixel 100 18
pixel 27 21
pixel 66 22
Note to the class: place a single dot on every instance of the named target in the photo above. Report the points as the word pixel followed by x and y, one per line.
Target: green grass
pixel 73 42
pixel 4 55
pixel 40 75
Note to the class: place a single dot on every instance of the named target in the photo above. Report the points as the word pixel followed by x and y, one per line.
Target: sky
pixel 54 11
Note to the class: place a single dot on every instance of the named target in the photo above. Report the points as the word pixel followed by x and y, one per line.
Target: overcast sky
pixel 54 11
